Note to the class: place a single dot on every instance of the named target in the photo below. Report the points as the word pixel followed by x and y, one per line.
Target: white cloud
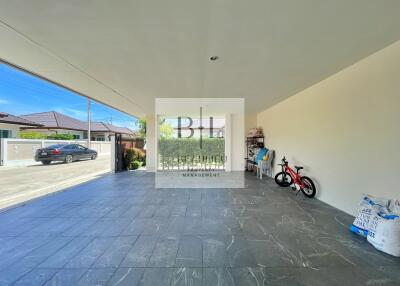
pixel 129 124
pixel 4 101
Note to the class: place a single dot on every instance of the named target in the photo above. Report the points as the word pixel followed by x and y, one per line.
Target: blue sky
pixel 22 93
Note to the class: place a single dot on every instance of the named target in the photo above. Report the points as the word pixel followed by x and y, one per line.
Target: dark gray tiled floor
pixel 119 230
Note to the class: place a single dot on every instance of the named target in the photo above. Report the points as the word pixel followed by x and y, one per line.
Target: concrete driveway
pixel 22 183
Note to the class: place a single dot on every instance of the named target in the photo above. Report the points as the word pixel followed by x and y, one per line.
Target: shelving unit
pixel 250 142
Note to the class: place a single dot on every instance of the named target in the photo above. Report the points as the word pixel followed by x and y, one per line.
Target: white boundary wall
pixel 16 151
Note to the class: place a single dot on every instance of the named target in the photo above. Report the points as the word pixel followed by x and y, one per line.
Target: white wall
pixel 95 134
pixel 14 129
pixel 345 130
pixel 22 151
pixel 250 121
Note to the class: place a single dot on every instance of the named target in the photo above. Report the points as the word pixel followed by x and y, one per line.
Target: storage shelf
pixel 250 141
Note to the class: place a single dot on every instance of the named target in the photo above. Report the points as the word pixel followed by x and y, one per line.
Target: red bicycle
pixel 300 183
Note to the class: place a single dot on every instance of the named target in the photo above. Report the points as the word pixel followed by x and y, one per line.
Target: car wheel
pixel 94 156
pixel 46 162
pixel 68 159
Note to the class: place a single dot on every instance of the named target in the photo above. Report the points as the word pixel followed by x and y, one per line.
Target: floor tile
pixel 120 230
pixel 140 253
pixel 36 277
pixel 87 256
pixel 190 252
pixel 126 277
pixel 96 277
pixel 117 251
pixel 66 277
pixel 165 251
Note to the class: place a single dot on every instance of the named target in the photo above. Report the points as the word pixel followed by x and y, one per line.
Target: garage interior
pixel 321 78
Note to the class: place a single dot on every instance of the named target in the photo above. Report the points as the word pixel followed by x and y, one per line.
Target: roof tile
pixel 53 119
pixel 12 119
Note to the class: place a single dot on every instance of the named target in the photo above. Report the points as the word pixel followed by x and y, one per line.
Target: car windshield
pixel 57 146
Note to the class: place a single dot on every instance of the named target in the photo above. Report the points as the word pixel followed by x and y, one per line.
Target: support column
pixel 3 151
pixel 112 155
pixel 228 147
pixel 151 144
pixel 89 122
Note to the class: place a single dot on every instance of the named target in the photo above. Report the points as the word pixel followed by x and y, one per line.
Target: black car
pixel 64 153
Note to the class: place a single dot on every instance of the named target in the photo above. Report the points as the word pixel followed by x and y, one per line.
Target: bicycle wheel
pixel 283 179
pixel 309 190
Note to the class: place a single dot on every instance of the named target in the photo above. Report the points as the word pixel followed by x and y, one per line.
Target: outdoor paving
pixel 119 230
pixel 21 183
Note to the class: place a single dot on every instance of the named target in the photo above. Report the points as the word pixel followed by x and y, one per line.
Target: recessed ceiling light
pixel 214 58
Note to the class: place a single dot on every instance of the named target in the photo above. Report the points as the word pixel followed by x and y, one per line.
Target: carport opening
pixel 52 137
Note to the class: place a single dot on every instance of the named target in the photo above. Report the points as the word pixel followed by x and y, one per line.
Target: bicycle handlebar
pixel 284 162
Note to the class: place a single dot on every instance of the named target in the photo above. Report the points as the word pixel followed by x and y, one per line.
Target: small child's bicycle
pixel 300 183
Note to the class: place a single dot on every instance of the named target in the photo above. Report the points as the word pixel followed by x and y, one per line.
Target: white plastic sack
pixel 369 207
pixel 384 233
pixel 394 207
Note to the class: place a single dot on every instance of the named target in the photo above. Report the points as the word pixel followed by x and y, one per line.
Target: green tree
pixel 134 158
pixel 166 130
pixel 141 123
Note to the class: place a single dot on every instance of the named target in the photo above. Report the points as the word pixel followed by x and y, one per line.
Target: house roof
pixel 53 119
pixel 12 119
pixel 106 127
pixel 56 120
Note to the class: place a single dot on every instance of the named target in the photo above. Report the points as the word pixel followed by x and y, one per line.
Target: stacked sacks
pixel 384 229
pixel 369 206
pixel 378 219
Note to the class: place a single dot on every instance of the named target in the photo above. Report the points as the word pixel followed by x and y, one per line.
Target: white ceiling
pixel 126 53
